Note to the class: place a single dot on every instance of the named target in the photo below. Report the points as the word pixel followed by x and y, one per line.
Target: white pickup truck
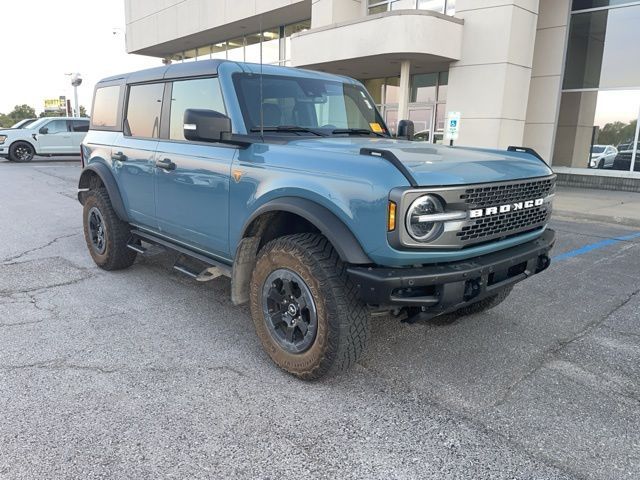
pixel 48 136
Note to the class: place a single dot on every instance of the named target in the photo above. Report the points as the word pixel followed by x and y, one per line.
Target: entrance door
pixel 422 117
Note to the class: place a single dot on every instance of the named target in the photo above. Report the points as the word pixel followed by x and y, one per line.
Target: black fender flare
pixel 108 180
pixel 334 229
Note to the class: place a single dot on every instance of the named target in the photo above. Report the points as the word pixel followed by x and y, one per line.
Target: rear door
pixel 54 138
pixel 133 153
pixel 192 178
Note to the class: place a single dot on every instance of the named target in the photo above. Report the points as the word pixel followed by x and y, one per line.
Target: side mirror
pixel 44 130
pixel 405 129
pixel 206 125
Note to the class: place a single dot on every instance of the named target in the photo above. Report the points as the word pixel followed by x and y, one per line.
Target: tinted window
pixel 143 110
pixel 105 107
pixel 597 149
pixel 602 49
pixel 586 4
pixel 199 93
pixel 56 126
pixel 80 125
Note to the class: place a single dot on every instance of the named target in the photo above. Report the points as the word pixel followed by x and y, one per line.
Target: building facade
pixel 560 76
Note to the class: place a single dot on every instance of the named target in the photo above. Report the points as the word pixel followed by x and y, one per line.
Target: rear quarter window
pixel 106 102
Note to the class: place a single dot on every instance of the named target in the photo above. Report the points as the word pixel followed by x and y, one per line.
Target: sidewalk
pixel 598 205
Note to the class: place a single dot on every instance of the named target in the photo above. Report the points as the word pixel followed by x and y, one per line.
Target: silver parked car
pixel 48 136
pixel 602 156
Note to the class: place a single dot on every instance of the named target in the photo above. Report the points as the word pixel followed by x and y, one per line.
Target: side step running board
pixel 205 275
pixel 214 267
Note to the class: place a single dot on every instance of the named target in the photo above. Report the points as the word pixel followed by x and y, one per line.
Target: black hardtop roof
pixel 177 70
pixel 210 67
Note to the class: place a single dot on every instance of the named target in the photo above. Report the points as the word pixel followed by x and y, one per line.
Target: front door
pixel 192 178
pixel 192 194
pixel 54 138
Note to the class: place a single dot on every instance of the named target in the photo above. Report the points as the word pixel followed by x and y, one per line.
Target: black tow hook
pixel 543 263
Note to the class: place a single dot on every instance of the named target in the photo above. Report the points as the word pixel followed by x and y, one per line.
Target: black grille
pixel 505 223
pixel 493 195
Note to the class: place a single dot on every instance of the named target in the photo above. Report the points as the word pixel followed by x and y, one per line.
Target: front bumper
pixel 443 288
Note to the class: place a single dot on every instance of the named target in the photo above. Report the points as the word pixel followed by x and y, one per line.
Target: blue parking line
pixel 595 246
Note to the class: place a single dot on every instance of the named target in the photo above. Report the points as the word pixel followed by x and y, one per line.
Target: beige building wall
pixel 328 12
pixel 152 23
pixel 546 80
pixel 489 84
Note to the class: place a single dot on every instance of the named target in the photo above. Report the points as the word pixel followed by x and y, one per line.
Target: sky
pixel 42 40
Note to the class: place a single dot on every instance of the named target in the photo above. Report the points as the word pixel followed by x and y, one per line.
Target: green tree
pixel 53 113
pixel 83 111
pixel 20 112
pixel 617 132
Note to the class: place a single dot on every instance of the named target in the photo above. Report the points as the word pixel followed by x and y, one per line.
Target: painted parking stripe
pixel 595 246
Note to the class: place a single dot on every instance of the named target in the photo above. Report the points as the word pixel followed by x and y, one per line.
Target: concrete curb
pixel 629 222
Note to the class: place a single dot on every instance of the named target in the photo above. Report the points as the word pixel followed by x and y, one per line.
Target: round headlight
pixel 417 222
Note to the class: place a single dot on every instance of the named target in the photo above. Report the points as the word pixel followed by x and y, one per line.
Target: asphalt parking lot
pixel 144 373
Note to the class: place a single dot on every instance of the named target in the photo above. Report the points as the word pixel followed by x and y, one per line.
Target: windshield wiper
pixel 288 128
pixel 357 131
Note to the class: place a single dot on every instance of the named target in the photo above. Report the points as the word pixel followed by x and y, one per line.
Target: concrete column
pixel 489 85
pixel 546 82
pixel 403 97
pixel 328 12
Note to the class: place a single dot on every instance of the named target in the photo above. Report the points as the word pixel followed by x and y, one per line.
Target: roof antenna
pixel 261 96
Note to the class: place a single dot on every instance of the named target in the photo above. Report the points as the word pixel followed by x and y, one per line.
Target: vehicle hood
pixel 597 155
pixel 433 165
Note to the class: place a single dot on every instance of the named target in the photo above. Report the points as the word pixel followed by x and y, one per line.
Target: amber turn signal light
pixel 391 219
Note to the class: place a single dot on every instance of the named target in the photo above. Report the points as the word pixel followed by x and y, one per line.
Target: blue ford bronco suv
pixel 288 182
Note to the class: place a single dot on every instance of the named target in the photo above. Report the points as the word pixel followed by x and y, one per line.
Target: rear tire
pixel 21 152
pixel 305 309
pixel 486 304
pixel 106 235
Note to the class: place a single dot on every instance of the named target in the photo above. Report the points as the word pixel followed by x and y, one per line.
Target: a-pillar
pixel 489 85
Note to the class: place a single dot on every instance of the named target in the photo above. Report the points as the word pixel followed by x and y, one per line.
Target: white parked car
pixel 48 136
pixel 602 156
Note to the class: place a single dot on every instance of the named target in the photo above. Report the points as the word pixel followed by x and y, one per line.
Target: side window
pixel 143 110
pixel 198 93
pixel 105 107
pixel 56 126
pixel 80 125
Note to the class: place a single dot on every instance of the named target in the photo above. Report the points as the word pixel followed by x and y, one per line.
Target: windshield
pixel 37 123
pixel 321 106
pixel 23 123
pixel 597 149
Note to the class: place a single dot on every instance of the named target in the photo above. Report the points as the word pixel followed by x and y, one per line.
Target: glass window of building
pixel 199 93
pixel 289 30
pixel 392 90
pixel 218 51
pixel 143 110
pixel 270 47
pixel 235 49
pixel 423 87
pixel 588 4
pixel 600 102
pixel 190 55
pixel 443 81
pixel 440 6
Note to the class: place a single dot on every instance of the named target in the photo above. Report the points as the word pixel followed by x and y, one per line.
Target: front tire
pixel 106 235
pixel 21 152
pixel 305 309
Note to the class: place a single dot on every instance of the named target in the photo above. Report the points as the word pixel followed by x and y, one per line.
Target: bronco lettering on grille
pixel 510 207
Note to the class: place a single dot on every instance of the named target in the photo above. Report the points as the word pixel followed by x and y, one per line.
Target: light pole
pixel 76 81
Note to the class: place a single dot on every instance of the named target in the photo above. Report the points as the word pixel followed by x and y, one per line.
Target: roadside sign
pixel 453 125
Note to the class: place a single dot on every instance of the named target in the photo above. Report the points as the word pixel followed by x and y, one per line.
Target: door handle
pixel 166 164
pixel 119 157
